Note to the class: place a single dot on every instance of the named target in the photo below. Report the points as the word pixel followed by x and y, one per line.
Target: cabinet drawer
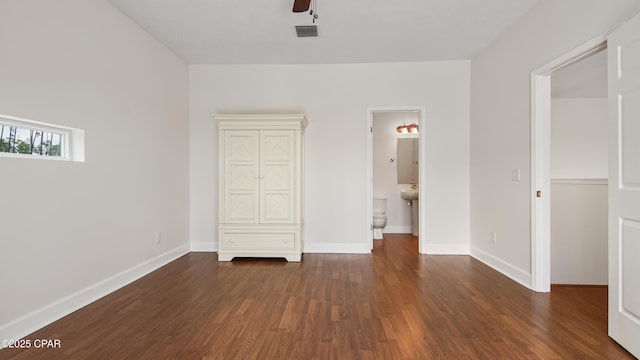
pixel 253 241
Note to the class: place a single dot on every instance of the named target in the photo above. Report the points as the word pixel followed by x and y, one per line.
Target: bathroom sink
pixel 409 194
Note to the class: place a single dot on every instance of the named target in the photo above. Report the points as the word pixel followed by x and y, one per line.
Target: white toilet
pixel 379 217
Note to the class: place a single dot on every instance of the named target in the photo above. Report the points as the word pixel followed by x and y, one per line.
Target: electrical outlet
pixel 494 237
pixel 158 237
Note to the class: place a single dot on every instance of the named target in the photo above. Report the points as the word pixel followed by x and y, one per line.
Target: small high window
pixel 21 140
pixel 31 139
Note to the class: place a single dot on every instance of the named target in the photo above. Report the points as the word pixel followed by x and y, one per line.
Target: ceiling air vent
pixel 307 30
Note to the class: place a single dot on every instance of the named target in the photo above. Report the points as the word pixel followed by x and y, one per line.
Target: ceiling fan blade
pixel 301 5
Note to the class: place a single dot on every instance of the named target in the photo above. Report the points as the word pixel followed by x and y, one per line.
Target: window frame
pixel 72 140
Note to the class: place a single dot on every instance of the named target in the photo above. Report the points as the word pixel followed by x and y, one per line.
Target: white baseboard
pixel 44 316
pixel 336 248
pixel 503 267
pixel 202 246
pixel 396 230
pixel 443 249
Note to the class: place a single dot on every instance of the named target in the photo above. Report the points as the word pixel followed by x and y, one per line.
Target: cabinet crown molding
pixel 264 121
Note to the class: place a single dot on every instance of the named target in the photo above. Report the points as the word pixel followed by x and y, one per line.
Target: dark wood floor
pixel 392 304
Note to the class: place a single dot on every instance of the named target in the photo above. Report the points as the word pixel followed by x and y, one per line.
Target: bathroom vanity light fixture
pixel 407 129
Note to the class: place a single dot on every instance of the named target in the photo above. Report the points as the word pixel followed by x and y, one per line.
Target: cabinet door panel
pixel 241 207
pixel 277 146
pixel 277 177
pixel 243 146
pixel 277 166
pixel 242 176
pixel 276 207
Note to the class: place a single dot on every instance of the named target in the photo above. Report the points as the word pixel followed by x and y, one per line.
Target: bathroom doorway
pixel 384 161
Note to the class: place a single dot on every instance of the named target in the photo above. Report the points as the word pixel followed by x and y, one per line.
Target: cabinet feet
pixel 289 258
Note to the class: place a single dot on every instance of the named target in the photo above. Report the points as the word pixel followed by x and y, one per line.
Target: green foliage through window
pixel 30 141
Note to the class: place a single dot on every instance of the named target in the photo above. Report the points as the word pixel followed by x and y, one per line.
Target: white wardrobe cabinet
pixel 261 186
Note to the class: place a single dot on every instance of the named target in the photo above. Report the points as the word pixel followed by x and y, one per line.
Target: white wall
pixel 579 138
pixel 335 98
pixel 385 172
pixel 579 232
pixel 579 169
pixel 69 231
pixel 500 121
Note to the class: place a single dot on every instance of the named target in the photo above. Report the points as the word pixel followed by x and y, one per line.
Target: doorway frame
pixel 422 209
pixel 541 158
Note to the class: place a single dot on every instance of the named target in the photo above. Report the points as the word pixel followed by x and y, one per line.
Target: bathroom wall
pixel 579 171
pixel 385 172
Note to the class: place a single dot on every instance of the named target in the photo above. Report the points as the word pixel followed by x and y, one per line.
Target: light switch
pixel 515 175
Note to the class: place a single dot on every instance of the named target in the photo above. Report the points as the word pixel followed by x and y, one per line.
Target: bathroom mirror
pixel 407 155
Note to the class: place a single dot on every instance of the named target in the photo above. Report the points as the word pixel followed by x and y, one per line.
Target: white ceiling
pixel 350 31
